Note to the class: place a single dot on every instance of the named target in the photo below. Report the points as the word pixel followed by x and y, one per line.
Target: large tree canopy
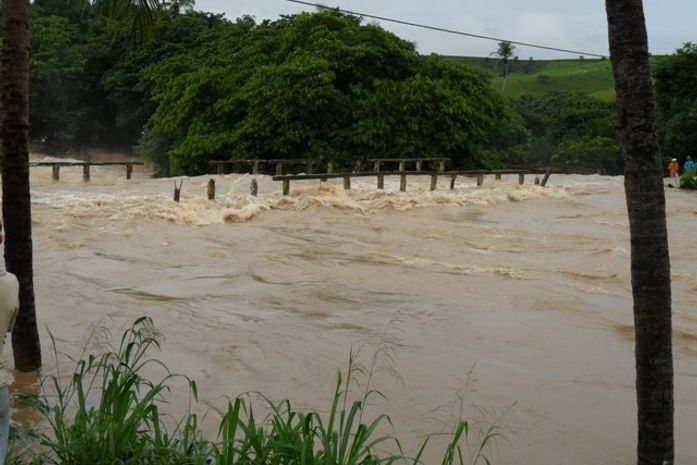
pixel 321 86
pixel 572 129
pixel 324 86
pixel 676 102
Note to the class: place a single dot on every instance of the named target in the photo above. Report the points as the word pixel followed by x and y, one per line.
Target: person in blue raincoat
pixel 689 165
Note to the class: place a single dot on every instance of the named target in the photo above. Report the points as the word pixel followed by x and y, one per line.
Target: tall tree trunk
pixel 649 237
pixel 16 198
pixel 505 73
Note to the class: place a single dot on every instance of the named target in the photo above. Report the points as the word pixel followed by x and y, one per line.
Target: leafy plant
pixel 109 413
pixel 688 180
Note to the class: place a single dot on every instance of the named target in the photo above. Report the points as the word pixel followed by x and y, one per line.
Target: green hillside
pixel 589 76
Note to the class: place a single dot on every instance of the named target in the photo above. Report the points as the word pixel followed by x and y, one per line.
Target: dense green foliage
pixel 573 130
pixel 676 103
pixel 688 180
pixel 57 62
pixel 110 413
pixel 321 86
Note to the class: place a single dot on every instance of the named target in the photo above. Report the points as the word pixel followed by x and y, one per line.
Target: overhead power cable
pixel 448 31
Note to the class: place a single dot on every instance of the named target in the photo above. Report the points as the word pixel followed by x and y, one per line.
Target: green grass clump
pixel 109 413
pixel 688 180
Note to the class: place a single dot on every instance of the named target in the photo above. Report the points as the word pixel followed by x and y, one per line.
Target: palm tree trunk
pixel 650 263
pixel 16 199
pixel 505 73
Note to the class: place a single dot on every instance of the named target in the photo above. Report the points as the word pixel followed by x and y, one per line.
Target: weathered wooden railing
pixel 418 163
pixel 221 164
pixel 309 164
pixel 57 165
pixel 380 175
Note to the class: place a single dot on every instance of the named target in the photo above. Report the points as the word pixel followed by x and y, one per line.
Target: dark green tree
pixel 603 153
pixel 59 115
pixel 444 110
pixel 563 125
pixel 676 100
pixel 322 86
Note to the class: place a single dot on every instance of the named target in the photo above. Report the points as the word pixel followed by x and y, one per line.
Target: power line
pixel 448 31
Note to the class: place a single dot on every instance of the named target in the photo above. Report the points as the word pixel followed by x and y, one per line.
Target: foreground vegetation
pixel 689 180
pixel 109 412
pixel 322 86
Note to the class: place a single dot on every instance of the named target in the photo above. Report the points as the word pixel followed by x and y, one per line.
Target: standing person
pixel 689 164
pixel 673 168
pixel 9 305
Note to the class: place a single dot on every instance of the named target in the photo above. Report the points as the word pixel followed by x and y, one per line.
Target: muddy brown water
pixel 504 304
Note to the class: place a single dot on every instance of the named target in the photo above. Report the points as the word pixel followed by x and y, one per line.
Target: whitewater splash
pixel 236 205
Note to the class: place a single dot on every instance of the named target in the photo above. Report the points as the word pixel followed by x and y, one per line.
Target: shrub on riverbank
pixel 688 180
pixel 109 412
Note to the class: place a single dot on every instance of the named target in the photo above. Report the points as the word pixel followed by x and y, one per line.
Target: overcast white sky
pixel 569 24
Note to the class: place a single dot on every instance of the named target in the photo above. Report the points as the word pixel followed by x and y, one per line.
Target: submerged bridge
pixel 310 164
pixel 437 166
pixel 57 165
pixel 380 177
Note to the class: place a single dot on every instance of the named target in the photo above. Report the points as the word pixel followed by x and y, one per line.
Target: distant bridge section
pixel 57 165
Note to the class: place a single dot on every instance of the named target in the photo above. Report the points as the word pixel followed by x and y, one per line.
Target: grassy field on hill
pixel 589 76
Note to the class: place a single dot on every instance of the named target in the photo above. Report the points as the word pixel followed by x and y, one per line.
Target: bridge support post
pixel 347 182
pixel 86 172
pixel 56 172
pixel 129 171
pixel 480 179
pixel 286 186
pixel 434 181
pixel 402 182
pixel 211 189
pixel 178 190
pixel 548 173
pixel 452 181
pixel 521 178
pixel 381 181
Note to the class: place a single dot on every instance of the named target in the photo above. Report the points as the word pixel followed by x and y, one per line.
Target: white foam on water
pixel 239 206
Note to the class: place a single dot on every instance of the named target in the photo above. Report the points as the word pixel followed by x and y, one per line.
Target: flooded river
pixel 505 304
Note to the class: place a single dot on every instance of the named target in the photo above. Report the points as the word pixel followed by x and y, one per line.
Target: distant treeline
pixel 323 86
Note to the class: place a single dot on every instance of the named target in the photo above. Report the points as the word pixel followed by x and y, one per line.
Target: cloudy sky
pixel 569 24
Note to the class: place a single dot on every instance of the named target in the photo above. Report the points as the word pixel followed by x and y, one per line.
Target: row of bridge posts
pixel 254 187
pixel 56 169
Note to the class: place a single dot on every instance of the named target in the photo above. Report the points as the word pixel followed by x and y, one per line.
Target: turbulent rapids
pixel 508 304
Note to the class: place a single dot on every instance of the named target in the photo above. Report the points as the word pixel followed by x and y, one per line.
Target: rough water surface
pixel 504 304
